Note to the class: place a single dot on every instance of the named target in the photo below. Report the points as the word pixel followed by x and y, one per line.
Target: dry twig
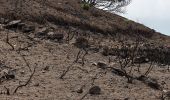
pixel 65 72
pixel 27 64
pixel 7 90
pixel 7 41
pixel 27 82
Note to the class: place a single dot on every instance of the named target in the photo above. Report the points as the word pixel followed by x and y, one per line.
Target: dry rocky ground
pixel 50 58
pixel 34 56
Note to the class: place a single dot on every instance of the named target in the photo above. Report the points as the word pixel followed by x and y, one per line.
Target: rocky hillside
pixel 55 50
pixel 69 13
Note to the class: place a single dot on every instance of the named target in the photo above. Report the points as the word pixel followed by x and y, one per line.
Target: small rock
pixel 1 27
pixel 11 74
pixel 150 82
pixel 153 83
pixel 13 24
pixel 81 43
pixel 126 99
pixel 142 78
pixel 94 49
pixel 118 72
pixel 102 65
pixel 2 20
pixel 80 77
pixel 126 86
pixel 141 60
pixel 53 36
pixel 163 83
pixel 8 74
pixel 36 84
pixel 47 68
pixel 166 95
pixel 109 51
pixel 105 51
pixel 28 29
pixel 20 26
pixel 6 21
pixel 43 71
pixel 22 72
pixel 80 90
pixel 94 64
pixel 41 33
pixel 95 90
pixel 164 91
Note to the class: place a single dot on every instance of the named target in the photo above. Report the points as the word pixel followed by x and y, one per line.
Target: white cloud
pixel 153 13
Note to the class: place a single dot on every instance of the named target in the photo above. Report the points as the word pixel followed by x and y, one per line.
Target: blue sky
pixel 152 13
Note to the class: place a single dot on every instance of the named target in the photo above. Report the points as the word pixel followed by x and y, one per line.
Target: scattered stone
pixel 47 68
pixel 94 64
pixel 17 24
pixel 12 24
pixel 126 99
pixel 2 20
pixel 43 71
pixel 105 51
pixel 94 49
pixel 20 26
pixel 164 91
pixel 95 90
pixel 22 72
pixel 53 36
pixel 11 74
pixel 27 29
pixel 141 60
pixel 102 65
pixel 7 74
pixel 168 95
pixel 126 86
pixel 80 90
pixel 118 72
pixel 142 78
pixel 41 33
pixel 153 84
pixel 81 43
pixel 1 27
pixel 36 84
pixel 109 51
pixel 150 82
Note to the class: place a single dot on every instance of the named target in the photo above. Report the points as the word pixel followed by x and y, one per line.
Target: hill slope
pixel 70 13
pixel 27 45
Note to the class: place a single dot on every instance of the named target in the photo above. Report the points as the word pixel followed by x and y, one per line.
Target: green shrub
pixel 86 6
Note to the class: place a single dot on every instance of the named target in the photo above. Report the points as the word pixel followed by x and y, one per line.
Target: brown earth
pixel 50 58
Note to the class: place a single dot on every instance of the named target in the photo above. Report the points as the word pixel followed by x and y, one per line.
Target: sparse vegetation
pixel 53 49
pixel 86 6
pixel 109 5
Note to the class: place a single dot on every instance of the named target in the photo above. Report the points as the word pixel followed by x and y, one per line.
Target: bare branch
pixel 7 41
pixel 7 90
pixel 65 72
pixel 27 82
pixel 27 64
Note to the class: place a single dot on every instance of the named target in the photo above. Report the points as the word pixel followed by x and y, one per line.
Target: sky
pixel 152 13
